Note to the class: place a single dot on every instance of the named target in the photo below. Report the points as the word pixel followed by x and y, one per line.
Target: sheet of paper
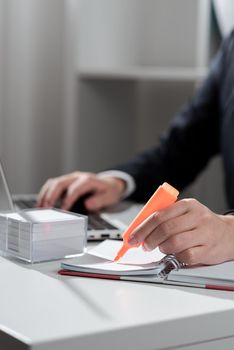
pixel 41 215
pixel 93 263
pixel 109 248
pixel 112 266
pixel 14 215
pixel 49 215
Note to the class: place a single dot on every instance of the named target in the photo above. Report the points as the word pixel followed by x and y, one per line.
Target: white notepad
pixel 151 267
pixel 101 260
pixel 109 248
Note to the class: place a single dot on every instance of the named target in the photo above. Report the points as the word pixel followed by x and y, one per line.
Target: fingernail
pixel 132 240
pixel 143 247
pixel 146 248
pixel 161 249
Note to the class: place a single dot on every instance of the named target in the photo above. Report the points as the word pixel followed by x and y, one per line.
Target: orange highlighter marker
pixel 162 198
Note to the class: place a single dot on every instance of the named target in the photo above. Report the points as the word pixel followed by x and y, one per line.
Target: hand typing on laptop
pixel 102 191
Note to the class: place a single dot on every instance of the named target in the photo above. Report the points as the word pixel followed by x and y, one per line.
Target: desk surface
pixel 40 309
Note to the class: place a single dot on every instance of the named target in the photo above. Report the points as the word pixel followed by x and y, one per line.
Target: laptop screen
pixel 6 202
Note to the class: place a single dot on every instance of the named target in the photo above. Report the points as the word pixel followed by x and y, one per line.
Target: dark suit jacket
pixel 201 130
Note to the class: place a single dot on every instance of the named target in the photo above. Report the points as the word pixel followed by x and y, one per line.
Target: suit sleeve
pixel 191 140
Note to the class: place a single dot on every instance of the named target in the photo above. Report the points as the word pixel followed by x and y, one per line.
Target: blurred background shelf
pixel 144 73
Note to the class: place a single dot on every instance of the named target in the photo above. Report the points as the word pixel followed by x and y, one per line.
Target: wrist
pixel 120 185
pixel 228 219
pixel 128 180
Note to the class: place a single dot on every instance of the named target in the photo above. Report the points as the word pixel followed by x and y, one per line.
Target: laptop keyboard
pixel 95 221
pixel 25 204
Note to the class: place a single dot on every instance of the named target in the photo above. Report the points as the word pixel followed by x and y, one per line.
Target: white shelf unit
pixel 145 73
pixel 137 63
pixel 121 34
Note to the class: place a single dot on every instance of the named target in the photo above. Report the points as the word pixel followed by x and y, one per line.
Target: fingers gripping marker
pixel 164 196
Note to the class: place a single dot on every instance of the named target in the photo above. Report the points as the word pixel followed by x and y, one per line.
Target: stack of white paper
pixel 42 234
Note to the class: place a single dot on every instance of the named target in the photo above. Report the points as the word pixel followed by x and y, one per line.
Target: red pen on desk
pixel 227 288
pixel 164 196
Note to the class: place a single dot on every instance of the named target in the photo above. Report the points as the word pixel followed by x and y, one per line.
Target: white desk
pixel 41 310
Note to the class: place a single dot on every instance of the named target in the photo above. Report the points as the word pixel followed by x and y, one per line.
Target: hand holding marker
pixel 164 196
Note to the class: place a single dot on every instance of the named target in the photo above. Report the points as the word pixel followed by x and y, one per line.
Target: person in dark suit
pixel 201 130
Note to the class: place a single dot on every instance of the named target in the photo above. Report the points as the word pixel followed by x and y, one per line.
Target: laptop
pixel 100 226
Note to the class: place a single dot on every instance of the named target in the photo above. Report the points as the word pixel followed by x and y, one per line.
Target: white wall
pixel 33 91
